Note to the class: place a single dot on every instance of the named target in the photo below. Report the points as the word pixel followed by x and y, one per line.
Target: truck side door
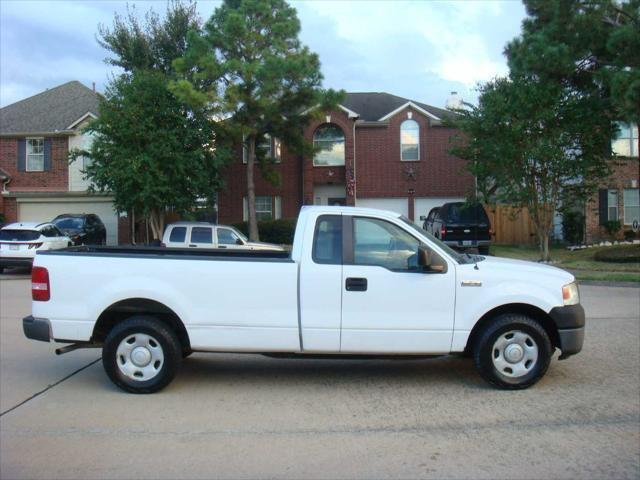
pixel 389 304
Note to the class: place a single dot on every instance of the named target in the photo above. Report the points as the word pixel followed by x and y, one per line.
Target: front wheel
pixel 513 352
pixel 141 355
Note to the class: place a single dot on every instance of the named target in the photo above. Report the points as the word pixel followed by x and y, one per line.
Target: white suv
pixel 207 235
pixel 19 242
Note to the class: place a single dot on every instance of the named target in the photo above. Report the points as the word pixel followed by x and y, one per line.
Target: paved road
pixel 246 416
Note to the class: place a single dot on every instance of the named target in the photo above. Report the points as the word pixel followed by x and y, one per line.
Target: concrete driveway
pixel 247 416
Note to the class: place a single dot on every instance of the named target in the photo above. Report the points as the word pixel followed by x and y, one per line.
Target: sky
pixel 421 50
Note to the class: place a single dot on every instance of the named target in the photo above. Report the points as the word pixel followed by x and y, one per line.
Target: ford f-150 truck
pixel 357 282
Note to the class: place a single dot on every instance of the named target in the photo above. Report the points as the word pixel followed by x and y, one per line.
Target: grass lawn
pixel 581 263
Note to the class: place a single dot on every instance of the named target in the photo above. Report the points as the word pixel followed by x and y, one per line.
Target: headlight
pixel 570 294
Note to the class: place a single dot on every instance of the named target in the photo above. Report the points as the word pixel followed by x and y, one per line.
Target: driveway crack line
pixel 50 386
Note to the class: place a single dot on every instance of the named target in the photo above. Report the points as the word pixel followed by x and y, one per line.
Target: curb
pixel 602 283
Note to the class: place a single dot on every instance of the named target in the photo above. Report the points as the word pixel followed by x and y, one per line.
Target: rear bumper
pixel 476 243
pixel 36 328
pixel 570 321
pixel 8 262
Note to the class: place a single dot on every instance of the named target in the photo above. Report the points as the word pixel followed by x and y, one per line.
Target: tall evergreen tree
pixel 250 59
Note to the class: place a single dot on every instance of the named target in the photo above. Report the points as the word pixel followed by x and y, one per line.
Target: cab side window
pixel 178 234
pixel 381 243
pixel 201 235
pixel 327 240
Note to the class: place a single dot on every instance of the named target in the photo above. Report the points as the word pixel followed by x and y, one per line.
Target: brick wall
pixel 622 175
pixel 56 179
pixel 381 173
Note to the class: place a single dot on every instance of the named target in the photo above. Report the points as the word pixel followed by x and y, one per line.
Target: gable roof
pixel 375 106
pixel 54 110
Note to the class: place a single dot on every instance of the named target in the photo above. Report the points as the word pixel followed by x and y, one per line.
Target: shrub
pixel 612 227
pixel 573 227
pixel 272 231
pixel 631 235
pixel 623 254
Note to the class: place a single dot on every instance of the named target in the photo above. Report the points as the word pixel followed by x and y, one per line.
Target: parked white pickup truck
pixel 358 281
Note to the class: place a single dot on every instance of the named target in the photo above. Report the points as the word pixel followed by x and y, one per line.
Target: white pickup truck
pixel 357 282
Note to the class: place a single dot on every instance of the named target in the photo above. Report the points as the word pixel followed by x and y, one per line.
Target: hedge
pixel 272 231
pixel 622 254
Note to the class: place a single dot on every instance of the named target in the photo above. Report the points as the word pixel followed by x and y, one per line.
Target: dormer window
pixel 35 155
pixel 625 143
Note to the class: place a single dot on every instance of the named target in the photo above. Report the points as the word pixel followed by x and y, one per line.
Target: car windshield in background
pixel 70 223
pixel 19 235
pixel 461 213
pixel 455 255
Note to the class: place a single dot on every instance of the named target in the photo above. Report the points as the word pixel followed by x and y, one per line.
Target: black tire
pixel 160 332
pixel 483 352
pixel 483 250
pixel 1 269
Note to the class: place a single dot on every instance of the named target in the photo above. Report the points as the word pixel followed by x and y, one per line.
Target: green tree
pixel 528 142
pixel 151 150
pixel 590 46
pixel 147 153
pixel 250 59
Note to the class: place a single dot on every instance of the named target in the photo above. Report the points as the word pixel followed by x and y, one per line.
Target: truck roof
pixel 349 210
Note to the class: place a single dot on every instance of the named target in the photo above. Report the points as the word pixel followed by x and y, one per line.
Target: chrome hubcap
pixel 514 353
pixel 139 357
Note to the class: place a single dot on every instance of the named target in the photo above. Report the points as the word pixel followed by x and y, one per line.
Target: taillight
pixel 443 231
pixel 35 245
pixel 40 289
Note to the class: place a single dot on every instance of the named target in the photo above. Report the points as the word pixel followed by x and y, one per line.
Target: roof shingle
pixel 372 106
pixel 50 111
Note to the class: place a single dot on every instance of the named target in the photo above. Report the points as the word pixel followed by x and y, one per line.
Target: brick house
pixel 377 150
pixel 36 136
pixel 618 197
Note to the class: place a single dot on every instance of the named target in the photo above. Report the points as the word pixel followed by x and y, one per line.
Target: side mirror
pixel 431 262
pixel 239 241
pixel 423 217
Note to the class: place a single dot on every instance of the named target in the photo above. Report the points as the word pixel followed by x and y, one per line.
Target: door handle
pixel 354 284
pixel 222 246
pixel 191 245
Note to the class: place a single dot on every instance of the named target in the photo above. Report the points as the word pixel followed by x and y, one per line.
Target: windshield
pixel 69 223
pixel 450 251
pixel 19 235
pixel 240 234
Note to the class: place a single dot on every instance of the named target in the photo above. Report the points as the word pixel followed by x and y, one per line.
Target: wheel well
pixel 534 313
pixel 124 309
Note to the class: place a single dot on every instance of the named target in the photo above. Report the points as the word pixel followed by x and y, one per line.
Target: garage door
pixel 423 206
pixel 41 211
pixel 398 205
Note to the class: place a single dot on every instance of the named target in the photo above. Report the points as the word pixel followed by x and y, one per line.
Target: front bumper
pixel 36 328
pixel 570 322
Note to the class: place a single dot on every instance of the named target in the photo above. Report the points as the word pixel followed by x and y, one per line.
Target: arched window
pixel 410 141
pixel 329 139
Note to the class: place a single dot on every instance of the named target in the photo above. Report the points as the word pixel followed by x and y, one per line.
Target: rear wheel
pixel 513 352
pixel 141 355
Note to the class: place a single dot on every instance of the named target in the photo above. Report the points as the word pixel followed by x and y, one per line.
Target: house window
pixel 612 205
pixel 625 143
pixel 272 148
pixel 35 155
pixel 410 141
pixel 328 139
pixel 631 198
pixel 267 208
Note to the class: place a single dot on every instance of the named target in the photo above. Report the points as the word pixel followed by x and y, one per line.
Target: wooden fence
pixel 510 226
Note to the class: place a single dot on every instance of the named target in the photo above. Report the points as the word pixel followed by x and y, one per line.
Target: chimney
pixel 454 102
pixel 94 87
